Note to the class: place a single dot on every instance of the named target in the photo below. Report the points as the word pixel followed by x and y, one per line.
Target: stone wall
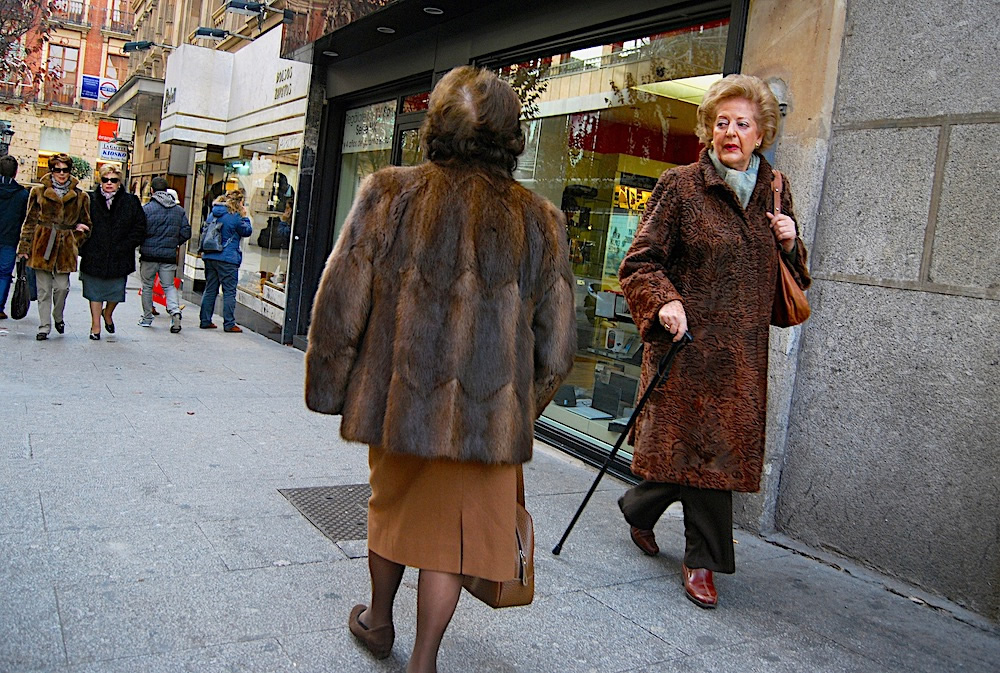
pixel 893 431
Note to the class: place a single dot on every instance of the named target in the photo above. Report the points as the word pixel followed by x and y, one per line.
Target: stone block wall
pixel 892 455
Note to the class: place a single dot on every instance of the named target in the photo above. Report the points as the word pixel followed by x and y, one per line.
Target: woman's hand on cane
pixel 674 319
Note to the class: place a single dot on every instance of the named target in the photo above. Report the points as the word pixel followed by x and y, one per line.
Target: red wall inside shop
pixel 591 134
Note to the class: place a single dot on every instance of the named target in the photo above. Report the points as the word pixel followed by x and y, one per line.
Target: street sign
pixel 113 152
pixel 97 88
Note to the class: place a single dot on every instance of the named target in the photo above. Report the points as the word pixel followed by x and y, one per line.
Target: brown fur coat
pixel 444 320
pixel 705 426
pixel 47 216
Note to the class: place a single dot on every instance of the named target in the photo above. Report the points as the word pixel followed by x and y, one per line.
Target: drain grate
pixel 339 512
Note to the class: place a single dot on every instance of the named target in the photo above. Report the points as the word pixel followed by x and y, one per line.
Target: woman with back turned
pixel 442 327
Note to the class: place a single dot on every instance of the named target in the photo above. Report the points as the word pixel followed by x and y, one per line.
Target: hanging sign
pixel 97 88
pixel 113 152
pixel 107 129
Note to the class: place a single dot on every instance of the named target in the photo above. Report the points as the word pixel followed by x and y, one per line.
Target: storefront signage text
pixel 112 152
pixel 283 83
pixel 369 128
pixel 169 98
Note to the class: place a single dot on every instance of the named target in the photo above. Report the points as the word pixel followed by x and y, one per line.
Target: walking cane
pixel 662 370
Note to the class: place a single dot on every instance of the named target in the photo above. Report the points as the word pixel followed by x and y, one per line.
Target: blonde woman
pixel 705 260
pixel 222 268
pixel 108 256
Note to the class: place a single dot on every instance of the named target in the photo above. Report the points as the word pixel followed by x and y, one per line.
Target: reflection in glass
pixel 366 147
pixel 602 124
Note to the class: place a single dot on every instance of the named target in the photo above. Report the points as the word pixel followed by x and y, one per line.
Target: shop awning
pixel 139 95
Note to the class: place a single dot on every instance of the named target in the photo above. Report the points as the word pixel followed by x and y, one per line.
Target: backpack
pixel 210 239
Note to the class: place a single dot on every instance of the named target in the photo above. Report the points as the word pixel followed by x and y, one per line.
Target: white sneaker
pixel 145 323
pixel 175 323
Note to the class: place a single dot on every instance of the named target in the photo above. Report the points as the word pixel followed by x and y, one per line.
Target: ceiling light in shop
pixel 386 30
pixel 688 89
pixel 330 53
pixel 434 11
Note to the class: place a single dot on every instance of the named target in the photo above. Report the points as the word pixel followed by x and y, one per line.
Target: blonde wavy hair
pixel 233 200
pixel 753 89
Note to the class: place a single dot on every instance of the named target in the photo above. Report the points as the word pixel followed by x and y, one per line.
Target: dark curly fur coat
pixel 705 426
pixel 444 320
pixel 48 215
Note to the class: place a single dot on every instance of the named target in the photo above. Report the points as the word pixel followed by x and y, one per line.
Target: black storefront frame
pixel 676 16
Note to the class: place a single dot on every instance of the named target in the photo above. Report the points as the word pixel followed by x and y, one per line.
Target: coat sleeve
pixel 84 219
pixel 554 324
pixel 244 228
pixel 137 234
pixel 28 227
pixel 185 231
pixel 798 258
pixel 643 272
pixel 343 302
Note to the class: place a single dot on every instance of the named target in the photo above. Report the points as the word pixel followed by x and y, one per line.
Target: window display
pixel 604 123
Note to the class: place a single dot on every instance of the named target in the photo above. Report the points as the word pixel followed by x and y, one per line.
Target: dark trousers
pixel 708 520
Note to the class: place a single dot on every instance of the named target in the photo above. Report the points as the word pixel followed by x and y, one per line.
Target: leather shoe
pixel 378 640
pixel 644 540
pixel 60 327
pixel 699 587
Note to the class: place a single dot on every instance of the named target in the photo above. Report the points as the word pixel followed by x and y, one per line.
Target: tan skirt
pixel 443 515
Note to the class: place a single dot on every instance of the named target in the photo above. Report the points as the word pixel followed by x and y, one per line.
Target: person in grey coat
pixel 167 228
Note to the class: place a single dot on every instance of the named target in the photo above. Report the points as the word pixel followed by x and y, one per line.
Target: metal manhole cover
pixel 339 512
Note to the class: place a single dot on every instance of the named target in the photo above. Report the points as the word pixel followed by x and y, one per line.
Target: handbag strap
pixel 520 485
pixel 776 187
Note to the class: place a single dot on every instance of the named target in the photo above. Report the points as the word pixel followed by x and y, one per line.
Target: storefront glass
pixel 367 147
pixel 605 123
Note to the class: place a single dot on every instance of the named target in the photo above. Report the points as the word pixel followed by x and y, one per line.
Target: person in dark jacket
pixel 108 256
pixel 222 268
pixel 167 228
pixel 55 226
pixel 13 207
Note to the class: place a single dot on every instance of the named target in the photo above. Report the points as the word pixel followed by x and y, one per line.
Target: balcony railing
pixel 17 91
pixel 60 93
pixel 118 21
pixel 71 12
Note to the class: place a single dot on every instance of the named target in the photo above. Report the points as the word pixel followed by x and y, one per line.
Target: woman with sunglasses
pixel 56 224
pixel 108 257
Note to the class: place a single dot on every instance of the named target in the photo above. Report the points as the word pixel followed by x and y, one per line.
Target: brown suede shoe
pixel 699 587
pixel 378 640
pixel 644 540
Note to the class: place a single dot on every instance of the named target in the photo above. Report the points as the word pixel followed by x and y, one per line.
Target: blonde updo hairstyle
pixel 753 89
pixel 233 200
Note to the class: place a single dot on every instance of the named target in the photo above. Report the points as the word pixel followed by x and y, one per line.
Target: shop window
pixel 366 147
pixel 603 123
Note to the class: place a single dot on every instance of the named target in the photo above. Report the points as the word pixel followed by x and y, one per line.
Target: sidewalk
pixel 142 530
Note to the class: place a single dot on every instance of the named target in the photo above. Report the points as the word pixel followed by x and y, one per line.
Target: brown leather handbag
pixel 790 305
pixel 521 589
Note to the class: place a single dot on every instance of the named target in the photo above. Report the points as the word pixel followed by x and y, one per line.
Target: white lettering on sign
pixel 369 128
pixel 283 90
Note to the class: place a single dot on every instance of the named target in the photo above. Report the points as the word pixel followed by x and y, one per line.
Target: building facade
pixel 883 423
pixel 79 67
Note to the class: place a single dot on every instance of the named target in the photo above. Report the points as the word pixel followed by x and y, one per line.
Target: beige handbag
pixel 521 589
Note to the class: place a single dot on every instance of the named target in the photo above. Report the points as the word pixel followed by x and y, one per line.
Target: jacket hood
pixel 8 188
pixel 164 199
pixel 219 209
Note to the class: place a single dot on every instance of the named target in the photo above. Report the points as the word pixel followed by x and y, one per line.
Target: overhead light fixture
pixel 217 34
pixel 330 53
pixel 688 89
pixel 143 45
pixel 258 9
pixel 386 30
pixel 434 11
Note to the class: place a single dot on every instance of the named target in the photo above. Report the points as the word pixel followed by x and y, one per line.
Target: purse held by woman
pixel 521 589
pixel 790 305
pixel 20 301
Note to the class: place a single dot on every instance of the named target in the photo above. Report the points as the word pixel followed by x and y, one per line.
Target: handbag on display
pixel 21 300
pixel 521 589
pixel 790 305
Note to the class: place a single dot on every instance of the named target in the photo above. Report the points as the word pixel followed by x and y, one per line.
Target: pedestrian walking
pixel 108 256
pixel 167 229
pixel 442 327
pixel 56 223
pixel 706 259
pixel 222 268
pixel 13 207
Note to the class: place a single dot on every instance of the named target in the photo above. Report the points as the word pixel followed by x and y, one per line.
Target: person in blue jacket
pixel 13 207
pixel 222 268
